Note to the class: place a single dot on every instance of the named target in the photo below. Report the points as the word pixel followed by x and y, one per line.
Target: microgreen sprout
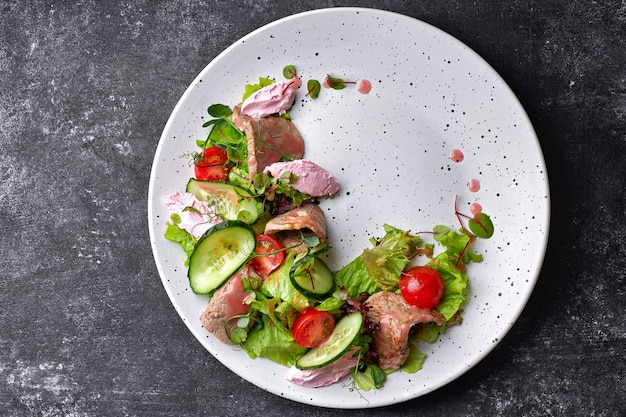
pixel 480 224
pixel 337 83
pixel 313 88
pixel 309 241
pixel 289 72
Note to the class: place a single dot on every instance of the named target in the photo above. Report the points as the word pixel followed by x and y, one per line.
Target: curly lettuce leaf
pixel 378 268
pixel 354 280
pixel 182 237
pixel 278 285
pixel 252 88
pixel 390 255
pixel 415 360
pixel 455 279
pixel 455 282
pixel 272 342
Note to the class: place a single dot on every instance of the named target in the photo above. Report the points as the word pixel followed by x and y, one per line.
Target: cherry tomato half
pixel 422 287
pixel 313 327
pixel 270 259
pixel 209 165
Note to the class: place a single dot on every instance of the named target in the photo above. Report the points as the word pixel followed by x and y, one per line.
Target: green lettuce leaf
pixel 378 268
pixel 371 378
pixel 272 342
pixel 455 280
pixel 278 285
pixel 415 360
pixel 252 88
pixel 455 283
pixel 390 256
pixel 182 237
pixel 353 279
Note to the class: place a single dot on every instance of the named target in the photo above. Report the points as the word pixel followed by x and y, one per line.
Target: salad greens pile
pixel 375 269
pixel 274 301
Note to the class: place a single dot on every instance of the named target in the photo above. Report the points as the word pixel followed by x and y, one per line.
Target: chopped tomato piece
pixel 313 327
pixel 422 287
pixel 269 255
pixel 210 165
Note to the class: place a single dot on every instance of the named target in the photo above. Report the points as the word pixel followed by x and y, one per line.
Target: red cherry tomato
pixel 266 263
pixel 209 165
pixel 313 327
pixel 422 287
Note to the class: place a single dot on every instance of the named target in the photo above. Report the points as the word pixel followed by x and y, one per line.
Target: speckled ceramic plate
pixel 390 151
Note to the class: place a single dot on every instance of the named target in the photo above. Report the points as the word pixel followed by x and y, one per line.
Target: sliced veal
pixel 270 139
pixel 393 318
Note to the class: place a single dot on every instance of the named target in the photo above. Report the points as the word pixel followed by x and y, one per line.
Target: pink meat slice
pixel 270 139
pixel 308 219
pixel 228 301
pixel 393 318
pixel 327 375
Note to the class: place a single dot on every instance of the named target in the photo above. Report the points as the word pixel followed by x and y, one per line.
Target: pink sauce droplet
pixel 474 185
pixel 457 155
pixel 325 83
pixel 475 208
pixel 295 83
pixel 364 86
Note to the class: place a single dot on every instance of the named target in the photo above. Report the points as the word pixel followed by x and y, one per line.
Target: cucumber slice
pixel 311 277
pixel 232 202
pixel 219 253
pixel 344 334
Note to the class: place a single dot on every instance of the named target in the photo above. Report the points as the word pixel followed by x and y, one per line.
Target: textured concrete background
pixel 86 328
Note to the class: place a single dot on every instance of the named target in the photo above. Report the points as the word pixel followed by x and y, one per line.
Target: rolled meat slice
pixel 393 319
pixel 307 219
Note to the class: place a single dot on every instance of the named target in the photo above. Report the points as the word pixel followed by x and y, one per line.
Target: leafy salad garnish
pixel 266 330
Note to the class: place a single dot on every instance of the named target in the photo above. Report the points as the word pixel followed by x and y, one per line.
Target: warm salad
pixel 255 239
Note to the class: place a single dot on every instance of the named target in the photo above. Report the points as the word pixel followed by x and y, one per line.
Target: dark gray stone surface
pixel 86 328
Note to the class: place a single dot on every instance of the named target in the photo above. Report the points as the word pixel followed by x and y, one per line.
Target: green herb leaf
pixel 239 335
pixel 335 83
pixel 289 72
pixel 311 241
pixel 219 111
pixel 243 322
pixel 481 226
pixel 313 88
pixel 220 122
pixel 287 177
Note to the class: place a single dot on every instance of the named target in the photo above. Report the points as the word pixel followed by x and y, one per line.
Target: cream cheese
pixel 311 179
pixel 271 99
pixel 196 216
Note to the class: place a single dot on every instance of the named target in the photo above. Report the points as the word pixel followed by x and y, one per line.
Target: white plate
pixel 389 149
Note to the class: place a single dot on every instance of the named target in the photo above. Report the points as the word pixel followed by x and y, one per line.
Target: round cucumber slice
pixel 344 334
pixel 312 278
pixel 230 201
pixel 219 253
